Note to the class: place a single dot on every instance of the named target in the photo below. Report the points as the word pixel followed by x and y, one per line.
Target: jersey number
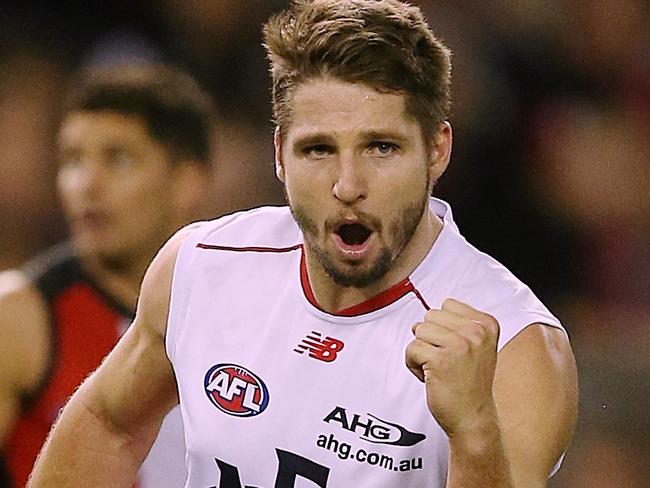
pixel 290 466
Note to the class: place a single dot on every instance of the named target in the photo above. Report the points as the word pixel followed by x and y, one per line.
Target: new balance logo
pixel 323 349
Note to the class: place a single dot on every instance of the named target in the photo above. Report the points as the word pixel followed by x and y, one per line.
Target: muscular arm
pixel 536 394
pixel 24 343
pixel 109 424
pixel 508 418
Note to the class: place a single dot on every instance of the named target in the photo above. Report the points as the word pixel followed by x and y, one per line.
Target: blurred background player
pixel 134 166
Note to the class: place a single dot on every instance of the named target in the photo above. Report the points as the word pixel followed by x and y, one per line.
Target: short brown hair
pixel 176 111
pixel 386 44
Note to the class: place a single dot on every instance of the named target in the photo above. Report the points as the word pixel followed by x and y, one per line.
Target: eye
pixel 69 158
pixel 120 158
pixel 317 151
pixel 383 148
pixel 69 162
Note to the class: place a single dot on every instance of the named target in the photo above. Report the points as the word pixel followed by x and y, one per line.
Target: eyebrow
pixel 313 139
pixel 386 134
pixel 325 138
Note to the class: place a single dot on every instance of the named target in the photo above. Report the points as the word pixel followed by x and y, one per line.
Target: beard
pixel 391 244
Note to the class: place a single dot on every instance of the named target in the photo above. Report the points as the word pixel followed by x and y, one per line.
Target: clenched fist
pixel 454 354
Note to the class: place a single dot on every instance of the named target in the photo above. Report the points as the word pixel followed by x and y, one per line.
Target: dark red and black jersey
pixel 85 324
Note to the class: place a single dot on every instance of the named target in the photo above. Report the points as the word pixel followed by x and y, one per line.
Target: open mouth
pixel 354 234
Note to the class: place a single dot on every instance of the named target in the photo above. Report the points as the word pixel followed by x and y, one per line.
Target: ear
pixel 279 165
pixel 440 151
pixel 192 182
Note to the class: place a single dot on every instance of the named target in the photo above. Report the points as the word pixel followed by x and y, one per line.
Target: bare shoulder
pixel 153 304
pixel 24 331
pixel 539 363
pixel 536 391
pixel 544 340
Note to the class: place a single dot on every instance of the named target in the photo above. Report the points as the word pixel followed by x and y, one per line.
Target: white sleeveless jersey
pixel 164 467
pixel 277 393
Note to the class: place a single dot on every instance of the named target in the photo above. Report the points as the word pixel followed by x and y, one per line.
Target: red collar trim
pixel 377 302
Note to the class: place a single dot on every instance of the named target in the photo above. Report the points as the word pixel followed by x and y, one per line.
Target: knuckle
pixel 492 323
pixel 479 337
pixel 414 327
pixel 488 322
pixel 419 329
pixel 448 302
pixel 414 353
pixel 410 349
pixel 431 315
pixel 475 338
pixel 479 332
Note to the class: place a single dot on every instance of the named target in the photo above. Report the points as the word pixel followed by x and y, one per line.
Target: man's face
pixel 115 183
pixel 357 175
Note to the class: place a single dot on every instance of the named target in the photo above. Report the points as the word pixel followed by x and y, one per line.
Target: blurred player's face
pixel 358 175
pixel 116 184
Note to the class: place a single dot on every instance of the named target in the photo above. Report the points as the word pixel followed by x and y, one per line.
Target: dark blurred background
pixel 550 171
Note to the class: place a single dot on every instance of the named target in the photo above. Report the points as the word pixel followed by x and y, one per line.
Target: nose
pixel 350 183
pixel 90 178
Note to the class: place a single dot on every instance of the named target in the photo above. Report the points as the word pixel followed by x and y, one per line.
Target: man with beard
pixel 134 167
pixel 353 338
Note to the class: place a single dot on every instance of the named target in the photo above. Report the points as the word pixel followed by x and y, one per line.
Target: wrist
pixel 477 456
pixel 478 433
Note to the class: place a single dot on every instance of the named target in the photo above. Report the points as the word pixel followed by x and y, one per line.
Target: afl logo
pixel 235 390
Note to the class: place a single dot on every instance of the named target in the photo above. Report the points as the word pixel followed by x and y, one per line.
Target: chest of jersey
pixel 275 393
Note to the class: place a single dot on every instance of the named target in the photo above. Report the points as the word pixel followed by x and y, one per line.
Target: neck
pixel 332 297
pixel 119 280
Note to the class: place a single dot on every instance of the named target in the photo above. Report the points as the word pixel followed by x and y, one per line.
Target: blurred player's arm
pixel 108 426
pixel 24 345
